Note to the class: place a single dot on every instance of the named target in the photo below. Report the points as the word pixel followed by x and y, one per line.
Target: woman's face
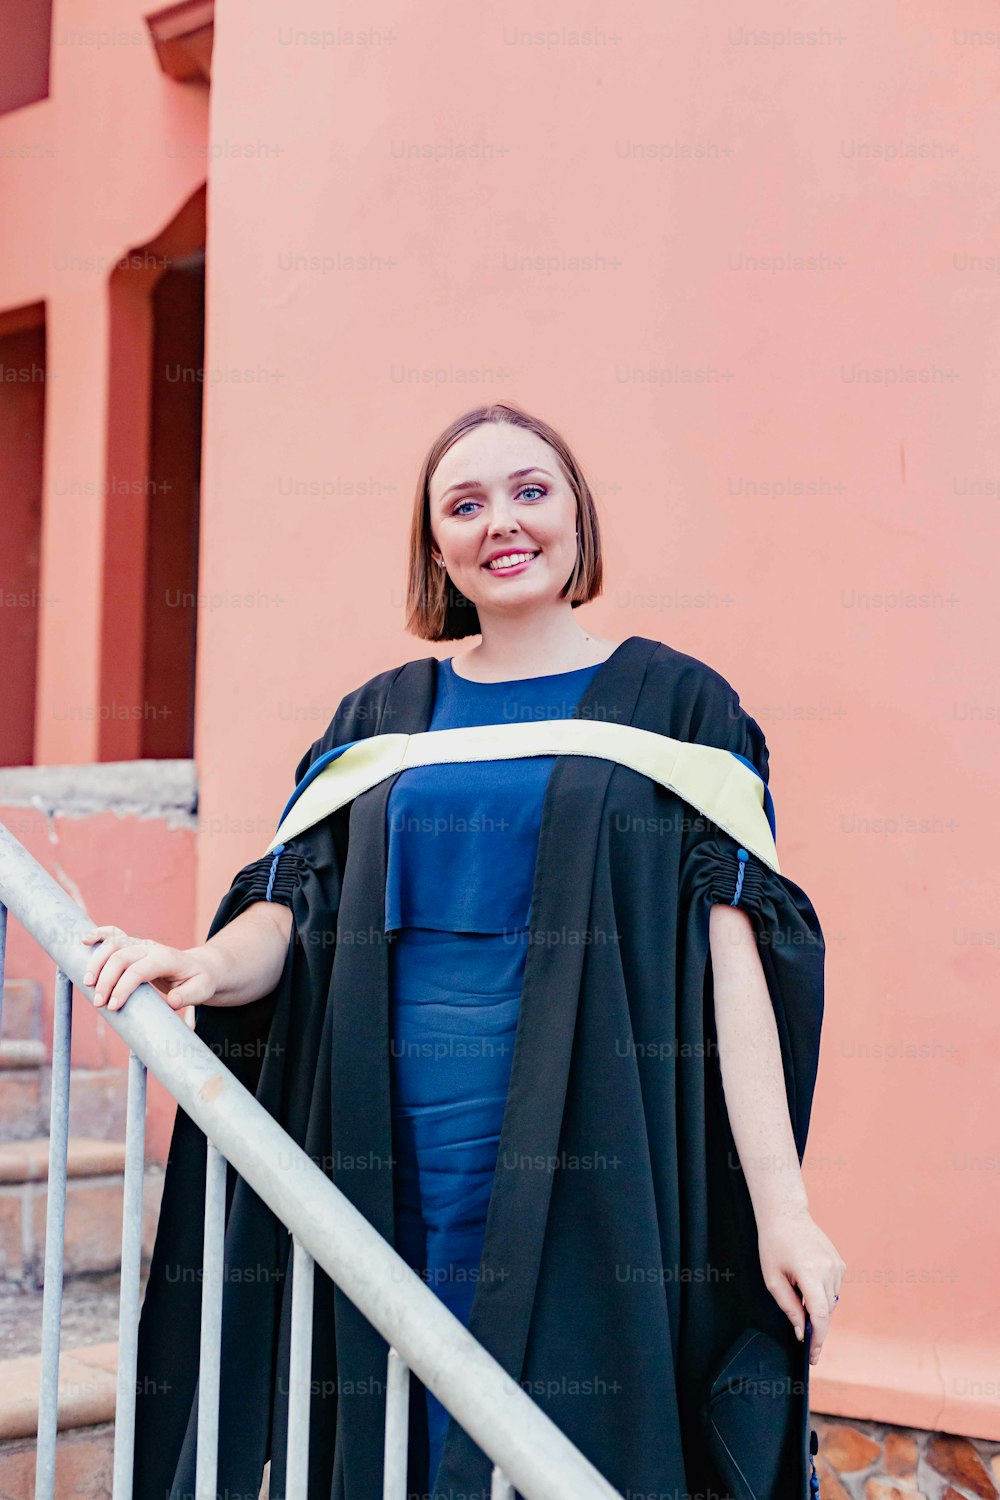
pixel 498 493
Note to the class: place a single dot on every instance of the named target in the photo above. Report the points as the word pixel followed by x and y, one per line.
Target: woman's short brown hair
pixel 435 609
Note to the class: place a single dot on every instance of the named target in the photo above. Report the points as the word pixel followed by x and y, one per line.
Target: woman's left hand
pixel 794 1252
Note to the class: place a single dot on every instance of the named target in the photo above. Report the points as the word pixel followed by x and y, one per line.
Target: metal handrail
pixel 526 1447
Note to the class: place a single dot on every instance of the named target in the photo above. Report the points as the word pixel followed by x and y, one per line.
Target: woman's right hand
pixel 119 964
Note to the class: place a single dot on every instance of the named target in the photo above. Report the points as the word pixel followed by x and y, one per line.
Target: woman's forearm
pixel 246 956
pixel 750 1060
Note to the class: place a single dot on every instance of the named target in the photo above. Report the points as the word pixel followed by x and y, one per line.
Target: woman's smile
pixel 511 562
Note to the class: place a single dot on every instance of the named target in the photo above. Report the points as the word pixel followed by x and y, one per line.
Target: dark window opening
pixel 173 489
pixel 24 54
pixel 22 430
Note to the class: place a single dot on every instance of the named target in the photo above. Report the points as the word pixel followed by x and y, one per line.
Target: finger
pixel 834 1296
pixel 111 970
pixel 137 972
pixel 833 1275
pixel 106 945
pixel 189 992
pixel 96 964
pixel 788 1300
pixel 818 1305
pixel 107 930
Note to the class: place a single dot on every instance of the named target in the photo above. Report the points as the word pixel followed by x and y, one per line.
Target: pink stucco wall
pixel 750 272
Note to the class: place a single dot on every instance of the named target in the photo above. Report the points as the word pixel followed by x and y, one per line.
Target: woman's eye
pixel 527 489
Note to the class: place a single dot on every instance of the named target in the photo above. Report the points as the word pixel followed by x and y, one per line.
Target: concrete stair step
pixel 88 1360
pixel 97 1096
pixel 86 1389
pixel 21 1063
pixel 22 1010
pixel 28 1161
pixel 94 1197
pixel 88 1363
pixel 98 1100
pixel 85 1447
pixel 89 1313
pixel 16 1054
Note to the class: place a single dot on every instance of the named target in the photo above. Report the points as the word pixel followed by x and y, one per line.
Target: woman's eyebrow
pixel 475 484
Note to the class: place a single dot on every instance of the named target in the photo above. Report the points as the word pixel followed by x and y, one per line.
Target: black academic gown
pixel 620 1273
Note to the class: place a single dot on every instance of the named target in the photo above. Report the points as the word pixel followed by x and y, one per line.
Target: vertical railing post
pixel 55 1230
pixel 397 1421
pixel 3 957
pixel 299 1373
pixel 209 1364
pixel 500 1487
pixel 128 1302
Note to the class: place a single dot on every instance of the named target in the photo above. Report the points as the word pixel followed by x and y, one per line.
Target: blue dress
pixel 462 843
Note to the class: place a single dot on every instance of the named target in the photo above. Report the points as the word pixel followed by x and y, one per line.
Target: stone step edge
pixel 17 1053
pixel 28 1161
pixel 22 1009
pixel 88 1388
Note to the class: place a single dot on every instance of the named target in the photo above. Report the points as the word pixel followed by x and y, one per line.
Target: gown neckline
pixel 447 661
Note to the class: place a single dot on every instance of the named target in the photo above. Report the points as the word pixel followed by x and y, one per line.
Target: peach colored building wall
pixel 750 271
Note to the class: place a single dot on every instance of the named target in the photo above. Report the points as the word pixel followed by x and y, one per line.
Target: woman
pixel 549 1026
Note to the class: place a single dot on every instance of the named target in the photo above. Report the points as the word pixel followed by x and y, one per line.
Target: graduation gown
pixel 620 1282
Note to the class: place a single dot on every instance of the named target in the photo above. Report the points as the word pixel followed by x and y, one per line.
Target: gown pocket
pixel 756 1417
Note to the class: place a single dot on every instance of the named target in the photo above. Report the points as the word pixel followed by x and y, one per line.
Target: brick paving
pixel 875 1461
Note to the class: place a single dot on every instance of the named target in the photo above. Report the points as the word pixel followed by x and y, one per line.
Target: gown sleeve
pixel 274 877
pixel 736 877
pixel 790 942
